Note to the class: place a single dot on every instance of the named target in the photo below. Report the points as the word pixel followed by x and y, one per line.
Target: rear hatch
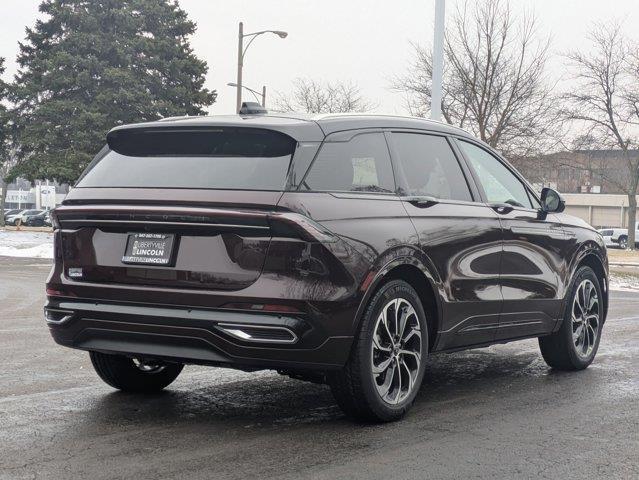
pixel 175 207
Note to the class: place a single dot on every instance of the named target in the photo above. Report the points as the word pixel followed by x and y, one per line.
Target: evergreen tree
pixel 94 64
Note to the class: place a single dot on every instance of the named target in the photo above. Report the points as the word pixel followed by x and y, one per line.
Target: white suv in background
pixel 618 237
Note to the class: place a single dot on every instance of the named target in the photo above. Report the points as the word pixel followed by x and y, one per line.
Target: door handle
pixel 422 201
pixel 501 208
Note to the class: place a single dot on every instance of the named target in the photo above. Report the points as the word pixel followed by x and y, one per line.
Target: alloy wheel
pixel 396 351
pixel 585 318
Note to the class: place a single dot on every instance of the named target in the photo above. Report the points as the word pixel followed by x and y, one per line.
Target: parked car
pixel 11 212
pixel 21 216
pixel 340 249
pixel 618 237
pixel 37 220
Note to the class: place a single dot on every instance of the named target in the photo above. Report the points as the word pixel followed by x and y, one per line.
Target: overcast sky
pixel 363 41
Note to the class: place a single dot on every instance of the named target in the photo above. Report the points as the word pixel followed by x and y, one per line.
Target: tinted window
pixel 359 165
pixel 230 158
pixel 430 167
pixel 500 184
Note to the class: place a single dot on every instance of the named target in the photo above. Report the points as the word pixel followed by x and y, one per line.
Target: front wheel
pixel 386 366
pixel 134 375
pixel 575 344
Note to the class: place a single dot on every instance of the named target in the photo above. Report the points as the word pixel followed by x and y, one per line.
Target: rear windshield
pixel 226 158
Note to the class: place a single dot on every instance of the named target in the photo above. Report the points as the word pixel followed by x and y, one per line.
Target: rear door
pixel 458 233
pixel 535 248
pixel 350 190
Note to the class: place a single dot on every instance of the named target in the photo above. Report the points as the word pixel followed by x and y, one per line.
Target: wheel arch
pixel 418 276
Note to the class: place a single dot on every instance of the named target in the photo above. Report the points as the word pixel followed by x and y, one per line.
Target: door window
pixel 430 167
pixel 499 183
pixel 359 165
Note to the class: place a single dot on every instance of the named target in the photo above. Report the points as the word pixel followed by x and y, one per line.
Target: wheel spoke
pixel 581 302
pixel 378 345
pixel 411 378
pixel 399 381
pixel 411 333
pixel 408 312
pixel 385 323
pixel 592 334
pixel 385 387
pixel 576 334
pixel 382 367
pixel 396 316
pixel 416 355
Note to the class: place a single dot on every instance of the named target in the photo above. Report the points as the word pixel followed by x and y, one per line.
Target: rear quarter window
pixel 360 165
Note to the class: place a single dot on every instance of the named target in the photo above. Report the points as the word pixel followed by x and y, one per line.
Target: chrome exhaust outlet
pixel 259 333
pixel 56 316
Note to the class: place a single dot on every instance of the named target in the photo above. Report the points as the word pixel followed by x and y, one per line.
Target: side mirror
pixel 551 201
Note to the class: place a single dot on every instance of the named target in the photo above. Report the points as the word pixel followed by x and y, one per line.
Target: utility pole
pixel 264 96
pixel 438 61
pixel 240 60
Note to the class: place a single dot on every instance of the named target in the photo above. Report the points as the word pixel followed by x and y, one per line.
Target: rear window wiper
pixel 369 188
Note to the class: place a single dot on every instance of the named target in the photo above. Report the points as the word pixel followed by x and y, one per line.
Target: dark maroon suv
pixel 341 249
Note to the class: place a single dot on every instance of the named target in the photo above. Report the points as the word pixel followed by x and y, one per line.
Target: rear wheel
pixel 133 375
pixel 575 344
pixel 623 242
pixel 386 366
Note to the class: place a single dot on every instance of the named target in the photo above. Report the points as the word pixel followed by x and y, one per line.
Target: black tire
pixel 559 349
pixel 125 374
pixel 623 242
pixel 354 387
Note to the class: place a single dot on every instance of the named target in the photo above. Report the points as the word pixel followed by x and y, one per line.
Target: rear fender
pixel 401 256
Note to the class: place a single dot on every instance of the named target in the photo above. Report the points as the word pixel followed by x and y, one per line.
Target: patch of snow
pixel 624 282
pixel 26 244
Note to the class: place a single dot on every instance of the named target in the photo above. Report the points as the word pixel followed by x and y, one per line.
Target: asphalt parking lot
pixel 488 413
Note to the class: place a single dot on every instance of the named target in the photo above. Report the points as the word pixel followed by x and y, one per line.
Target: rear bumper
pixel 202 336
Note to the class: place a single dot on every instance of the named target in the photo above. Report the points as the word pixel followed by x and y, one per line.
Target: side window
pixel 359 165
pixel 499 183
pixel 430 167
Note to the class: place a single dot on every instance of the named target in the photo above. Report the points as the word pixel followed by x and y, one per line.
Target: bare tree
pixel 603 101
pixel 494 78
pixel 316 97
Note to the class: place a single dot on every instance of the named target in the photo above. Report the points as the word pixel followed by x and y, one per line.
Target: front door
pixel 531 261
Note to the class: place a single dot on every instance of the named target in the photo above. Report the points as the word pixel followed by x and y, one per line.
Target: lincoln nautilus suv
pixel 342 249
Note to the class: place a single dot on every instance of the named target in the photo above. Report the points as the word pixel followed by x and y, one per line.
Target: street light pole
pixel 438 61
pixel 241 51
pixel 240 64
